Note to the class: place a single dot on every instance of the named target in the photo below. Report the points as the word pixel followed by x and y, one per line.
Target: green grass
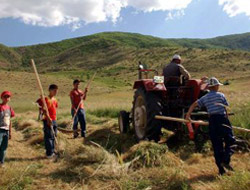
pixel 239 181
pixel 106 112
pixel 19 179
pixel 166 178
pixel 241 117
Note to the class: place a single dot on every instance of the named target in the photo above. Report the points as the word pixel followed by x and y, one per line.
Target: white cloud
pixel 73 12
pixel 235 7
pixel 60 12
pixel 175 14
pixel 159 5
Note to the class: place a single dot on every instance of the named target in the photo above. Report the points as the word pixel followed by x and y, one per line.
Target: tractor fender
pixel 197 86
pixel 149 85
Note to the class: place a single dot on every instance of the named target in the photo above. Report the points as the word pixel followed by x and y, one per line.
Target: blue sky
pixel 163 18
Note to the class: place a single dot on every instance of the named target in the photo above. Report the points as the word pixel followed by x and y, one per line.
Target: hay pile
pixel 94 161
pixel 30 123
pixel 32 131
pixel 65 123
pixel 150 154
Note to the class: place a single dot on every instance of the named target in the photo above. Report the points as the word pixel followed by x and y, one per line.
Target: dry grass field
pixel 108 160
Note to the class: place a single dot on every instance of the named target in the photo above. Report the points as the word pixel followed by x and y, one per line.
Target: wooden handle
pixel 87 86
pixel 181 120
pixel 40 86
pixel 196 122
pixel 42 95
pixel 89 82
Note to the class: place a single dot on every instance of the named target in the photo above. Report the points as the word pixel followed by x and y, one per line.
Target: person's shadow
pixel 14 159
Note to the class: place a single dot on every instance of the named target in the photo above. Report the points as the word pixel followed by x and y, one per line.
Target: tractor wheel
pixel 123 121
pixel 145 106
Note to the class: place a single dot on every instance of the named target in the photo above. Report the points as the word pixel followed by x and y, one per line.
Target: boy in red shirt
pixel 6 113
pixel 49 120
pixel 76 97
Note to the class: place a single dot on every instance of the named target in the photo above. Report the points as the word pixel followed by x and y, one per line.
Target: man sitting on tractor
pixel 175 70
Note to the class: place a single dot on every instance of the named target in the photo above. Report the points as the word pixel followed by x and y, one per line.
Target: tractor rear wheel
pixel 146 106
pixel 123 121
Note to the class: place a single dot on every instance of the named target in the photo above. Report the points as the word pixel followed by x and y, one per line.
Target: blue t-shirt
pixel 214 102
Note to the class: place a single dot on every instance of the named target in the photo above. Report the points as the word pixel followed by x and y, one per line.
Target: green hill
pixel 233 42
pixel 116 48
pixel 237 41
pixel 8 57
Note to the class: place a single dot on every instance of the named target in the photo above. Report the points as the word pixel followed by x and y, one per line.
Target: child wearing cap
pixel 220 129
pixel 49 120
pixel 76 97
pixel 6 113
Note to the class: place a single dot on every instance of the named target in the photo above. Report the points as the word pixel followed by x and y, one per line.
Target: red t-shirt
pixel 52 106
pixel 76 97
pixel 6 112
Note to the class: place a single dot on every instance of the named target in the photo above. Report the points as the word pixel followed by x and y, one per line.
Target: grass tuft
pixel 239 181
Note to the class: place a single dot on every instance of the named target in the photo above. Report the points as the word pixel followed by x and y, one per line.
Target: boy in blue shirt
pixel 220 129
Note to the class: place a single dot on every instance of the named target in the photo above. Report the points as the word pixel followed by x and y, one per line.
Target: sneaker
pixel 51 156
pixel 228 167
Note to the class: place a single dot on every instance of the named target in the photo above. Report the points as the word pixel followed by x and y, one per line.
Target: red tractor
pixel 164 97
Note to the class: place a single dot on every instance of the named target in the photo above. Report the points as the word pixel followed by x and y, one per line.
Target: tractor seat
pixel 172 82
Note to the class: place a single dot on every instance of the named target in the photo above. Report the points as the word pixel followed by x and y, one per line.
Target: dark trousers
pixel 222 138
pixel 80 118
pixel 49 137
pixel 4 138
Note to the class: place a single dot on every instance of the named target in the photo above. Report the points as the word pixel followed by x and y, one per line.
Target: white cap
pixel 213 82
pixel 176 56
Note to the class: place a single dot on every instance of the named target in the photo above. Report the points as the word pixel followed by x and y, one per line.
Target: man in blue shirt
pixel 220 129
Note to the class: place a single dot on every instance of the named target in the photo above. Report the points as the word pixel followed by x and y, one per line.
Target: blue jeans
pixel 80 118
pixel 222 138
pixel 4 138
pixel 49 138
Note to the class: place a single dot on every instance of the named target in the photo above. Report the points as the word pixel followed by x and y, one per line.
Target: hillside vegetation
pixel 114 48
pixel 8 57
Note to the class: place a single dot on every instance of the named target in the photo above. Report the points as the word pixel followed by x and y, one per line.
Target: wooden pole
pixel 42 96
pixel 180 120
pixel 167 118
